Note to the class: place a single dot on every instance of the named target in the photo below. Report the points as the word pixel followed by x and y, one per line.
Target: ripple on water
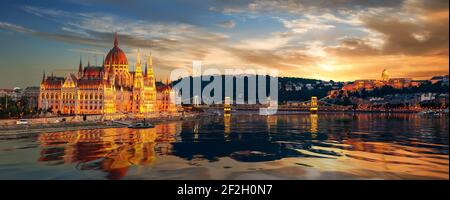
pixel 334 146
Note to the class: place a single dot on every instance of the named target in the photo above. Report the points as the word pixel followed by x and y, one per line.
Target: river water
pixel 241 146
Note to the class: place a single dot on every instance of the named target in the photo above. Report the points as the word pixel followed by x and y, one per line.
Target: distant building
pixel 400 82
pixel 31 94
pixel 289 86
pixel 370 84
pixel 377 101
pixel 16 94
pixel 333 93
pixel 436 79
pixel 427 97
pixel 164 96
pixel 6 92
pixel 443 98
pixel 385 75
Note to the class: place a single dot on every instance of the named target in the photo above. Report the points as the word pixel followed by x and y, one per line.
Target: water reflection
pixel 380 142
pixel 363 145
pixel 110 150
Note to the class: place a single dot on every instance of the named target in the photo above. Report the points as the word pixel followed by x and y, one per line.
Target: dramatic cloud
pixel 227 24
pixel 326 39
pixel 304 25
pixel 300 7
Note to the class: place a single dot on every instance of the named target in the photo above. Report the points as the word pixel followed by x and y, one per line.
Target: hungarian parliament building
pixel 108 89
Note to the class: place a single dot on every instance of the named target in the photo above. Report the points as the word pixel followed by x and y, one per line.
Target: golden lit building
pixel 164 98
pixel 370 84
pixel 107 89
pixel 385 75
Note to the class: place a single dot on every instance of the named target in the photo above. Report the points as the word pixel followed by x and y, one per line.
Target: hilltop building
pixel 385 80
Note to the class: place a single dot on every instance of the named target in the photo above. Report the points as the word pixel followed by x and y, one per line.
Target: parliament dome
pixel 116 56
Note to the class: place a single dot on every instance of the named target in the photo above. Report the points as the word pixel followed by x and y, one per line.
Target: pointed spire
pixel 138 58
pixel 149 72
pixel 116 40
pixel 150 59
pixel 146 71
pixel 80 67
pixel 43 77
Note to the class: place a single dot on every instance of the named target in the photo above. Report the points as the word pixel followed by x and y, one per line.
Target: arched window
pixel 91 96
pixel 101 97
pixel 96 96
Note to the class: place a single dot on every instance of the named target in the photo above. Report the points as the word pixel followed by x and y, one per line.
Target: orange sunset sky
pixel 342 40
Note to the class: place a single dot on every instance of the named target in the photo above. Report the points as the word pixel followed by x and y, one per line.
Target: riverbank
pixel 19 130
pixel 16 131
pixel 12 130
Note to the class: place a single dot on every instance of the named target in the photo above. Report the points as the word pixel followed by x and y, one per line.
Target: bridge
pixel 313 105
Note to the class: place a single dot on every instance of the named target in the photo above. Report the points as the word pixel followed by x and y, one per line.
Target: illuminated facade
pixel 113 153
pixel 164 97
pixel 108 89
pixel 369 84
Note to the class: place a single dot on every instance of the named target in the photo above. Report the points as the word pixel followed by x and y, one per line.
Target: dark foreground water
pixel 243 146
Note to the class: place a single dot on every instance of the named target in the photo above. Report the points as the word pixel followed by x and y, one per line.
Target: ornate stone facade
pixel 108 89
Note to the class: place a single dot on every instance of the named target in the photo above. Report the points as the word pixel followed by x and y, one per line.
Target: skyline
pixel 340 40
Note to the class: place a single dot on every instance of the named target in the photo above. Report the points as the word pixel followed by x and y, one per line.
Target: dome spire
pixel 80 66
pixel 149 71
pixel 145 73
pixel 80 69
pixel 43 77
pixel 116 41
pixel 138 58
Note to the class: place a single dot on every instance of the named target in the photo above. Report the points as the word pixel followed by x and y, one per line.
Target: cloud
pixel 178 44
pixel 301 7
pixel 13 27
pixel 420 33
pixel 336 39
pixel 178 41
pixel 354 47
pixel 227 24
pixel 305 25
pixel 426 6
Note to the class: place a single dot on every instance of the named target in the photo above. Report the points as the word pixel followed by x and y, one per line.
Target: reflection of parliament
pixel 108 89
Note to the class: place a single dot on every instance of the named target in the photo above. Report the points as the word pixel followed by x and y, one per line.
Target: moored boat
pixel 141 125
